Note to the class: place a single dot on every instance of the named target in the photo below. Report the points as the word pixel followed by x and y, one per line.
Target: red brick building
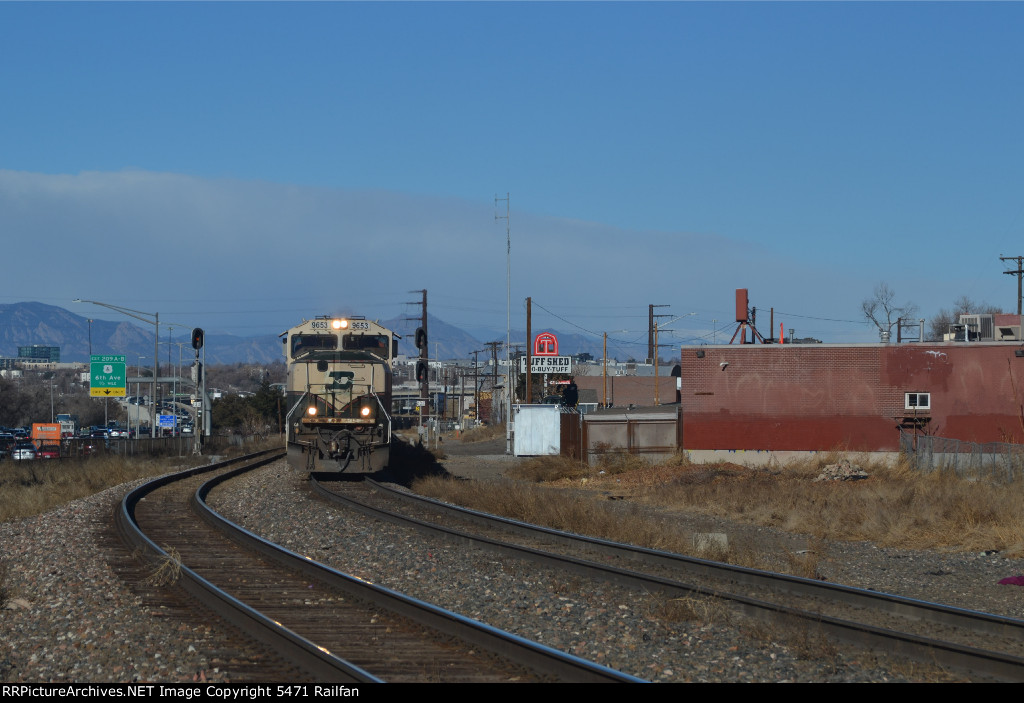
pixel 818 397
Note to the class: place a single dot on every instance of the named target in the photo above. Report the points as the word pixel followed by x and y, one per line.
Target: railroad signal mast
pixel 199 377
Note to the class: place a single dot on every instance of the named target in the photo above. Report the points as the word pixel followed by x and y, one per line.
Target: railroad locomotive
pixel 338 396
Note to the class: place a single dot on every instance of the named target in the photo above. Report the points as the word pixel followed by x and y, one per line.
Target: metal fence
pixel 652 435
pixel 995 461
pixel 184 445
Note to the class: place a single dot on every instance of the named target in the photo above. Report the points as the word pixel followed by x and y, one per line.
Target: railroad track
pixel 923 631
pixel 330 626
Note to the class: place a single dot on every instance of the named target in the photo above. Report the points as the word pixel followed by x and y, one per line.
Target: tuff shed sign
pixel 545 356
pixel 547 364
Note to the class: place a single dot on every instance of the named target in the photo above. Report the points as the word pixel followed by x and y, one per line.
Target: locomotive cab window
pixel 376 343
pixel 305 342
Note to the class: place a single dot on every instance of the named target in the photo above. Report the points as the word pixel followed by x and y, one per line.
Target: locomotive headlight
pixel 365 411
pixel 339 324
pixel 311 410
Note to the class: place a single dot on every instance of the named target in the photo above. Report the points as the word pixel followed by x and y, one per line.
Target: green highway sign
pixel 107 376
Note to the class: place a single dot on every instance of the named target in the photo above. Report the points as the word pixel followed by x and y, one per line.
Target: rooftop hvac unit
pixel 1008 333
pixel 979 327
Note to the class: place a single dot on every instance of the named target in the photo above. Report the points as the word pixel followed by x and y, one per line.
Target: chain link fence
pixel 994 461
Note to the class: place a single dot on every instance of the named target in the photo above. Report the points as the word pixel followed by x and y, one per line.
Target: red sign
pixel 545 344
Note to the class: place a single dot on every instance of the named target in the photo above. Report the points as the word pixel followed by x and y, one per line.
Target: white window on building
pixel 918 401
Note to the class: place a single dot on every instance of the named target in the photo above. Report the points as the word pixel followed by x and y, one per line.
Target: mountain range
pixel 25 324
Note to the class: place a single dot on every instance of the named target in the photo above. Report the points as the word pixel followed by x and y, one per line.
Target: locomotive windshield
pixel 305 342
pixel 376 343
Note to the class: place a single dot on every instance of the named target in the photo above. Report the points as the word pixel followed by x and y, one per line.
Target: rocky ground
pixel 72 617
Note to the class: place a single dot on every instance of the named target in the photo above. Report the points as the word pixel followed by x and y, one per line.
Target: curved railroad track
pixel 330 626
pixel 920 630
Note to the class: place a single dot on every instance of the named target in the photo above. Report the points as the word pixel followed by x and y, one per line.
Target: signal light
pixel 422 373
pixel 421 338
pixel 197 338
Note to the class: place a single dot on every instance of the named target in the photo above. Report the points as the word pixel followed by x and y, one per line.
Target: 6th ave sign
pixel 106 376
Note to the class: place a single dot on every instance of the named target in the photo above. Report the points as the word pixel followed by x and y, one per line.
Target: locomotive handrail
pixel 384 410
pixel 288 417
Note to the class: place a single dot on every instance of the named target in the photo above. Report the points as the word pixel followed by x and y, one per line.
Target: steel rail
pixel 538 657
pixel 995 664
pixel 305 654
pixel 927 611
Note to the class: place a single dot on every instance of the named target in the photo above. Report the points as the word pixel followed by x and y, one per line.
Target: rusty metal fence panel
pixel 994 461
pixel 653 435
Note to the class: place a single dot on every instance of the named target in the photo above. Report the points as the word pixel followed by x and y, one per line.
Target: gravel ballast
pixel 71 618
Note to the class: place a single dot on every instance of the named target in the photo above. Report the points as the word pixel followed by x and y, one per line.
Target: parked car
pixel 48 451
pixel 7 442
pixel 23 450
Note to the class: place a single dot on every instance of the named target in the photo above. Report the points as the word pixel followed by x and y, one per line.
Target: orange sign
pixel 47 433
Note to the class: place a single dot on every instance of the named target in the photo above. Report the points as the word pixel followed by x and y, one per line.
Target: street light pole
pixel 508 318
pixel 138 423
pixel 156 345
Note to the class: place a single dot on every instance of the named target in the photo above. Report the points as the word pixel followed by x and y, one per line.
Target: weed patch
pixel 167 572
pixel 483 433
pixel 548 469
pixel 703 610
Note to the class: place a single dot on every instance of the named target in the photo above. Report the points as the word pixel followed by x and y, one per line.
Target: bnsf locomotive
pixel 339 394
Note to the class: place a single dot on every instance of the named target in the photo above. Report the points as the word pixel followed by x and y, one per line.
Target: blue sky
pixel 241 165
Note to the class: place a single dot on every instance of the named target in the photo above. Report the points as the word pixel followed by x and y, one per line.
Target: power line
pixel 826 319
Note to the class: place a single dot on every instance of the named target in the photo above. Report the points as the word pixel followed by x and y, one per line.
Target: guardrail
pixel 183 445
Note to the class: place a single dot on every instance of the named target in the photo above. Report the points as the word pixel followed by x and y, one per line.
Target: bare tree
pixel 883 311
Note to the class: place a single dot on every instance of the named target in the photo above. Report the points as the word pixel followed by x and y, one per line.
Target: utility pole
pixel 1019 273
pixel 651 350
pixel 516 355
pixel 604 372
pixel 529 350
pixel 476 385
pixel 494 346
pixel 423 365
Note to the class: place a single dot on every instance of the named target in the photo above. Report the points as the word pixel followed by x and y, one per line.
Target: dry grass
pixel 549 469
pixel 572 511
pixel 583 512
pixel 552 469
pixel 702 610
pixel 895 506
pixel 167 572
pixel 34 487
pixel 483 433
